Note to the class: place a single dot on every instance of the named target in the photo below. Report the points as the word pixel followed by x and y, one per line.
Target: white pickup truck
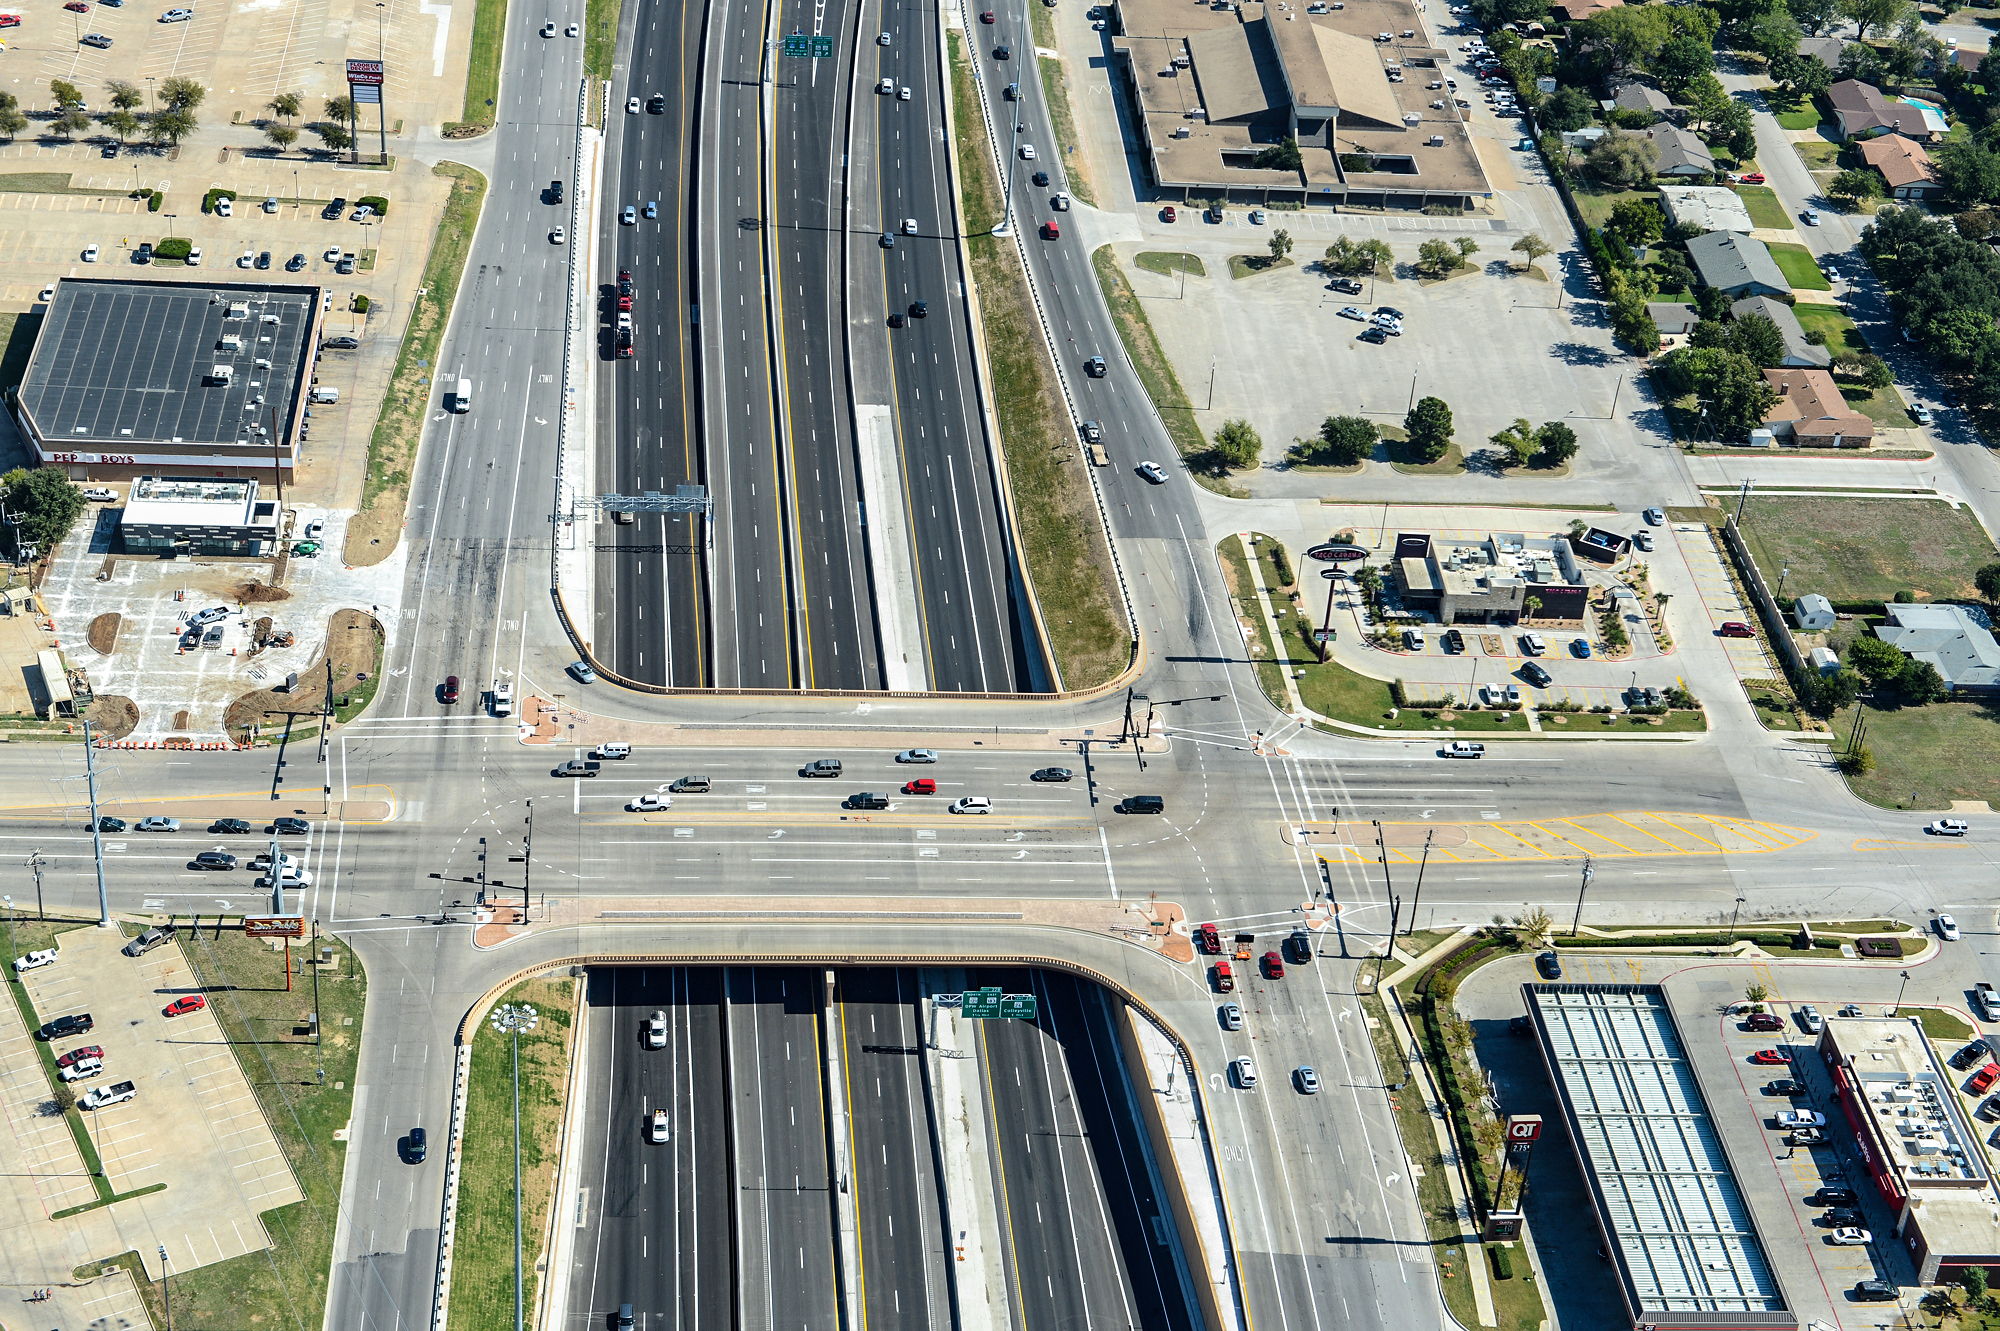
pixel 116 1093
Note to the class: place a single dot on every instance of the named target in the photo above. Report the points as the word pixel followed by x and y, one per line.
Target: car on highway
pixel 185 1004
pixel 628 215
pixel 1051 229
pixel 1209 939
pixel 888 241
pixel 1810 217
pixel 631 106
pixel 556 236
pixel 419 1146
pixel 656 1126
pixel 917 756
pixel 1948 827
pixel 1770 1057
pixel 1537 676
pixel 882 39
pixel 654 1030
pixel 1027 152
pixel 1550 965
pixel 1849 1236
pixel 155 823
pixel 1231 1016
pixel 651 210
pixel 886 87
pixel 1225 978
pixel 1947 928
pixel 649 804
pixel 289 826
pixel 1800 1118
pixel 1245 1070
pixel 1273 965
pixel 1003 52
pixel 1050 774
pixel 36 960
pixel 922 785
pixel 986 16
pixel 1151 471
pixel 971 804
pixel 897 320
pixel 1092 432
pixel 867 799
pixel 821 767
pixel 657 104
pixel 1785 1086
pixel 548 29
pixel 109 824
pixel 1308 1081
pixel 213 859
pixel 1095 367
pixel 1354 312
pixel 448 691
pixel 1377 335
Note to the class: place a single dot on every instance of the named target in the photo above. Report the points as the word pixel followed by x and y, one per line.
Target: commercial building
pixel 1664 1189
pixel 1921 1150
pixel 143 378
pixel 198 515
pixel 1220 85
pixel 1490 582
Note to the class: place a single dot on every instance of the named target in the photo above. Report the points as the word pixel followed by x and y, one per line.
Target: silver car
pixel 1308 1081
pixel 917 756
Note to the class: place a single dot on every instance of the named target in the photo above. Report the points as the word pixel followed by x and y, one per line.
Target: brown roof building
pixel 1216 88
pixel 1862 110
pixel 1811 413
pixel 1904 165
pixel 1576 11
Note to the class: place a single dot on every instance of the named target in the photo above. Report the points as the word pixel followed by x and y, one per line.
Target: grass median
pixel 1055 86
pixel 482 69
pixel 1156 372
pixel 392 450
pixel 482 1269
pixel 1061 534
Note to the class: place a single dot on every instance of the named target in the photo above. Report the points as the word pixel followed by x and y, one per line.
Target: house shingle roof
pixel 1819 415
pixel 1947 637
pixel 1901 161
pixel 1862 108
pixel 1798 351
pixel 1730 262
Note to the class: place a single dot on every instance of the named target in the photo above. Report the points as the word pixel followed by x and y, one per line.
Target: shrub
pixel 375 201
pixel 1281 565
pixel 1503 1265
pixel 208 200
pixel 361 304
pixel 173 247
pixel 154 201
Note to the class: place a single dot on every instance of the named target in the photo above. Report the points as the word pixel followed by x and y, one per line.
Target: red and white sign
pixel 1523 1129
pixel 364 73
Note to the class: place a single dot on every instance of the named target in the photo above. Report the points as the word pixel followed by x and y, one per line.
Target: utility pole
pixel 527 859
pixel 1383 851
pixel 166 1290
pixel 8 902
pixel 1742 498
pixel 319 1047
pixel 1588 873
pixel 482 871
pixel 96 831
pixel 35 863
pixel 1428 834
pixel 511 1019
pixel 1732 921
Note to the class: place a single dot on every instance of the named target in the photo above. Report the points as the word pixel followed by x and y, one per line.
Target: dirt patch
pixel 260 632
pixel 353 644
pixel 111 716
pixel 248 593
pixel 372 534
pixel 181 720
pixel 103 633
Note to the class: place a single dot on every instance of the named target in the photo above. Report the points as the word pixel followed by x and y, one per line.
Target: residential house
pixel 1813 612
pixel 1950 639
pixel 1583 140
pixel 1576 11
pixel 1672 319
pixel 1967 59
pixel 1811 413
pixel 1905 166
pixel 1705 207
pixel 1798 351
pixel 1680 153
pixel 1737 266
pixel 1639 97
pixel 1826 50
pixel 1864 112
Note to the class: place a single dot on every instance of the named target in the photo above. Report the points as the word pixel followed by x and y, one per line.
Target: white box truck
pixel 461 398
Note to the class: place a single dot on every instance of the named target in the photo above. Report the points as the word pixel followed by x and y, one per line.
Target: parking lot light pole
pixel 9 901
pixel 166 1290
pixel 1732 922
pixel 1899 991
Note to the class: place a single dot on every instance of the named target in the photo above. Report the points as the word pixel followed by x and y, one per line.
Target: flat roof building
pixel 132 378
pixel 1672 1214
pixel 197 515
pixel 1706 207
pixel 1491 582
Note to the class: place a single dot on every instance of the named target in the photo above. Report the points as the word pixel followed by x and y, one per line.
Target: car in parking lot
pixel 1947 928
pixel 1800 1118
pixel 1537 676
pixel 1643 539
pixel 1354 312
pixel 1050 774
pixel 1785 1086
pixel 1769 1057
pixel 340 344
pixel 1763 1021
pixel 82 1068
pixel 1734 628
pixel 346 264
pixel 155 823
pixel 1377 335
pixel 1246 1071
pixel 917 756
pixel 96 39
pixel 1949 827
pixel 1550 965
pixel 98 494
pixel 1580 647
pixel 1810 1018
pixel 1984 1078
pixel 177 16
pixel 1833 1195
pixel 1852 1236
pixel 1807 1137
pixel 77 1023
pixel 185 1004
pixel 1989 1109
pixel 974 804
pixel 79 1054
pixel 1874 1291
pixel 1655 516
pixel 1346 286
pixel 214 859
pixel 36 960
pixel 1967 1056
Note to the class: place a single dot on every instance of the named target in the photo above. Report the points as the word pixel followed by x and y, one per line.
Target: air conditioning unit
pixel 1437 140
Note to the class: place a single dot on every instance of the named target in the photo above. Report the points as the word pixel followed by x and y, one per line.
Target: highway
pixel 898 1199
pixel 650 616
pixel 657 1228
pixel 785 1207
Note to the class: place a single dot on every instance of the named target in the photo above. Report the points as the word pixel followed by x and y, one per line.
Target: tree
pixel 1803 75
pixel 170 127
pixel 1757 993
pixel 1737 130
pixel 12 120
pixel 1682 59
pixel 1346 440
pixel 1875 372
pixel 334 136
pixel 1857 183
pixel 1467 247
pixel 124 96
pixel 286 105
pixel 1815 16
pixel 1921 684
pixel 1555 444
pixel 1621 161
pixel 339 108
pixel 1533 246
pixel 1973 1278
pixel 1988 582
pixel 1756 337
pixel 1859 62
pixel 63 1097
pixel 1280 243
pixel 71 122
pixel 282 137
pixel 1357 256
pixel 1730 385
pixel 1429 426
pixel 1282 156
pixel 64 94
pixel 1237 445
pixel 1881 664
pixel 1969 172
pixel 1772 34
pixel 1638 222
pixel 1437 257
pixel 1535 925
pixel 1570 108
pixel 47 502
pixel 1516 442
pixel 1881 15
pixel 1707 102
pixel 120 122
pixel 180 93
pixel 1631 321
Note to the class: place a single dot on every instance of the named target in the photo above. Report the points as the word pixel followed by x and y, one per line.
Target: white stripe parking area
pixel 1698 545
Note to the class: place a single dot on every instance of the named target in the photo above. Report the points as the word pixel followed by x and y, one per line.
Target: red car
pixel 77 7
pixel 625 304
pixel 78 1055
pixel 1735 628
pixel 1984 1078
pixel 1764 1021
pixel 1769 1056
pixel 180 1007
pixel 1274 966
pixel 1225 978
pixel 1051 230
pixel 1211 939
pixel 986 16
pixel 1754 178
pixel 10 20
pixel 1168 214
pixel 923 785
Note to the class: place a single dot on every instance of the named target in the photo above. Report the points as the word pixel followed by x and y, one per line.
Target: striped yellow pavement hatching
pixel 1605 836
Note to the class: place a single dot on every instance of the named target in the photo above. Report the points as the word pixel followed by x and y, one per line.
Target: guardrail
pixel 454 1158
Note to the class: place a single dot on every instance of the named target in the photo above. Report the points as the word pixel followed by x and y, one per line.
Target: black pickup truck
pixel 62 1028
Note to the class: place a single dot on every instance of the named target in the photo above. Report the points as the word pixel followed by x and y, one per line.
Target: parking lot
pixel 1747 656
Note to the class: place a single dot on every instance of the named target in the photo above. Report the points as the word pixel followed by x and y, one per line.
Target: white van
pixel 461 398
pixel 1463 748
pixel 324 395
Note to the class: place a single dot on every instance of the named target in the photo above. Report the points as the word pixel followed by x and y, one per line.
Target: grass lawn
pixel 1799 266
pixel 1946 751
pixel 1169 264
pixel 1881 405
pixel 600 38
pixel 286 1286
pixel 1774 709
pixel 482 73
pixel 1765 210
pixel 1142 345
pixel 1596 205
pixel 1818 154
pixel 1410 462
pixel 482 1273
pixel 1061 533
pixel 1867 549
pixel 1942 1025
pixel 1806 119
pixel 1236 571
pixel 1249 265
pixel 1056 86
pixel 1841 334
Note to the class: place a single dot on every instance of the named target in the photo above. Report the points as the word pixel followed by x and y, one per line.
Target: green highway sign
pixel 797 43
pixel 1018 1005
pixel 814 45
pixel 989 1003
pixel 822 48
pixel 982 1003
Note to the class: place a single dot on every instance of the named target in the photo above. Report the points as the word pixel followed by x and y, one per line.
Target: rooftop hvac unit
pixel 1182 132
pixel 1437 140
pixel 237 310
pixel 220 374
pixel 1199 113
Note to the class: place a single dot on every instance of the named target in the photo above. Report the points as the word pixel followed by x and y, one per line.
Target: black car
pixel 1828 1196
pixel 1807 1137
pixel 290 826
pixel 1520 1026
pixel 296 264
pixel 1536 675
pixel 1389 310
pixel 1375 335
pixel 1001 53
pixel 144 254
pixel 64 1027
pixel 1969 1055
pixel 1454 641
pixel 1550 965
pixel 1041 179
pixel 264 259
pixel 215 859
pixel 1094 367
pixel 920 309
pixel 1346 286
pixel 1050 774
pixel 334 211
pixel 555 191
pixel 1875 1291
pixel 1989 1109
pixel 867 799
pixel 1842 1216
pixel 897 320
pixel 1785 1086
pixel 657 103
pixel 230 826
pixel 342 344
pixel 418 1147
pixel 110 824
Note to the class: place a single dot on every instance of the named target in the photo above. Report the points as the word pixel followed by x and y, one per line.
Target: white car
pixel 1060 202
pixel 548 30
pixel 1308 1081
pixel 909 226
pixel 1811 218
pixel 263 861
pixel 503 697
pixel 972 804
pixel 1809 1016
pixel 650 804
pixel 882 40
pixel 1849 1237
pixel 572 30
pixel 902 94
pixel 83 1067
pixel 48 293
pixel 1800 1118
pixel 1151 471
pixel 656 1031
pixel 1246 1072
pixel 917 756
pixel 361 214
pixel 557 235
pixel 656 1128
pixel 98 494
pixel 1949 827
pixel 194 257
pixel 90 252
pixel 36 960
pixel 177 16
pixel 289 877
pixel 1920 413
pixel 631 106
pixel 1354 312
pixel 332 254
pixel 886 87
pixel 1947 928
pixel 1027 152
pixel 245 259
pixel 225 207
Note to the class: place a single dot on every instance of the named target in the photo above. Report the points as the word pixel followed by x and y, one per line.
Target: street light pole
pixel 9 902
pixel 35 863
pixel 1588 873
pixel 1732 921
pixel 1899 991
pixel 1428 834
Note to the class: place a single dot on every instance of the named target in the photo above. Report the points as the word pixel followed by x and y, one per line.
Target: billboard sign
pixel 364 73
pixel 1337 554
pixel 274 926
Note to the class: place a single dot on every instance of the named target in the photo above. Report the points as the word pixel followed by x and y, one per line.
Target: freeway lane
pixel 651 621
pixel 972 631
pixel 897 1199
pixel 808 163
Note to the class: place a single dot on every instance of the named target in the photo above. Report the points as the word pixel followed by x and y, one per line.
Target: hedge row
pixel 1788 941
pixel 1438 986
